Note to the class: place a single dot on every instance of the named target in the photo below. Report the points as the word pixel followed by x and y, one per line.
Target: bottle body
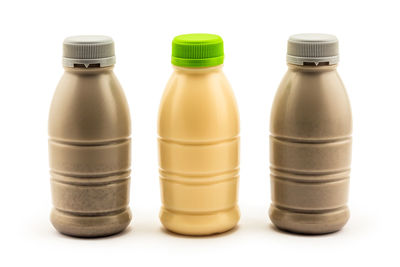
pixel 89 153
pixel 198 130
pixel 310 151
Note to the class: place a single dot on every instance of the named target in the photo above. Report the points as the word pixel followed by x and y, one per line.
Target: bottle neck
pixel 90 70
pixel 197 70
pixel 312 68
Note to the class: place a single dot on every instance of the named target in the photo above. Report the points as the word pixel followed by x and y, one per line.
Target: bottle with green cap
pixel 198 138
pixel 310 141
pixel 89 142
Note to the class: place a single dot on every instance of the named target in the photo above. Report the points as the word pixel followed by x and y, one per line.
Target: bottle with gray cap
pixel 310 141
pixel 89 142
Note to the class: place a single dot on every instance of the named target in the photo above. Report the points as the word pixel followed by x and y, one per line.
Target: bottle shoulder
pixel 198 106
pixel 89 107
pixel 311 105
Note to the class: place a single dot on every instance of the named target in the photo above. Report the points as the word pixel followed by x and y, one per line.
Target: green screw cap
pixel 197 50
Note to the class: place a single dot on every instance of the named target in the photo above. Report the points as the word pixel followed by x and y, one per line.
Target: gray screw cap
pixel 88 49
pixel 312 48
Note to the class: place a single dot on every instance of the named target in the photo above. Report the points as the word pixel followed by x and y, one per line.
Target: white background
pixel 255 35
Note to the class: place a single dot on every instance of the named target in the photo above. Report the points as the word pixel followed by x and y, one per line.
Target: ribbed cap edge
pixel 312 48
pixel 88 49
pixel 197 50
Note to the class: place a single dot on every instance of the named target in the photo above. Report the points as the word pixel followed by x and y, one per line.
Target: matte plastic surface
pixel 198 142
pixel 310 151
pixel 89 152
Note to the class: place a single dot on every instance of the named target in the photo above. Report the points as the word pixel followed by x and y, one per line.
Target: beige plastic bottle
pixel 89 142
pixel 198 130
pixel 310 142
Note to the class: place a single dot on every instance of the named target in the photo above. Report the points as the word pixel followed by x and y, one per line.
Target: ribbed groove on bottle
pixel 200 181
pixel 198 143
pixel 311 141
pixel 321 179
pixel 198 175
pixel 91 183
pixel 100 175
pixel 206 213
pixel 88 143
pixel 308 173
pixel 94 214
pixel 321 211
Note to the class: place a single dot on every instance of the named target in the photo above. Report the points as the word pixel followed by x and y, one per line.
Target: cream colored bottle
pixel 89 142
pixel 198 130
pixel 310 142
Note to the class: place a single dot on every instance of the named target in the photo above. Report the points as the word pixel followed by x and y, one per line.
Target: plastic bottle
pixel 89 142
pixel 198 141
pixel 310 142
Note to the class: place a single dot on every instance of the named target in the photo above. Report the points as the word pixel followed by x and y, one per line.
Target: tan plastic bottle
pixel 310 142
pixel 198 141
pixel 89 142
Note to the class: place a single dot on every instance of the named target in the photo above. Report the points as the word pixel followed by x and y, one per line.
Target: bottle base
pixel 309 223
pixel 90 226
pixel 200 224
